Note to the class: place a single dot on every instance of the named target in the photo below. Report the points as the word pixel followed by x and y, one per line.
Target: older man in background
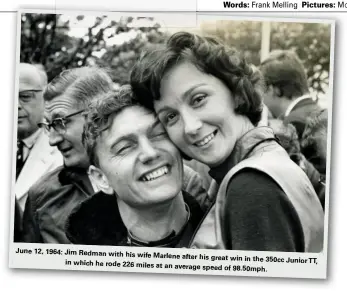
pixel 35 157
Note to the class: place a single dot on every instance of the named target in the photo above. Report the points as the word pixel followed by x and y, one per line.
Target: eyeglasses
pixel 27 96
pixel 58 124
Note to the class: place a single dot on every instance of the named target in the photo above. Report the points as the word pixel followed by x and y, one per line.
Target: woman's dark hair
pixel 210 56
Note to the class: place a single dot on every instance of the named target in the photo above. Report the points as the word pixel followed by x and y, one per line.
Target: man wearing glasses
pixel 51 200
pixel 35 157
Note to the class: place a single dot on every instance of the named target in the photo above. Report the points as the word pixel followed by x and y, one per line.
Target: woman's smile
pixel 206 126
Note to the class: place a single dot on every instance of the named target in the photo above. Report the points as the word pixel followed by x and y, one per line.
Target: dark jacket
pixel 17 231
pixel 50 201
pixel 97 221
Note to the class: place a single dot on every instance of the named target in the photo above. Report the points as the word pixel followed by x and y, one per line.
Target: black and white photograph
pixel 197 149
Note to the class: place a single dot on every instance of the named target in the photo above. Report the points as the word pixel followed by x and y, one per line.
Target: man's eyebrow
pixel 55 115
pixel 129 136
pixel 30 90
pixel 184 95
pixel 133 136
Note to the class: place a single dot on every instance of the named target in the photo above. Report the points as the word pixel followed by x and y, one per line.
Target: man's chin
pixel 23 131
pixel 70 163
pixel 162 193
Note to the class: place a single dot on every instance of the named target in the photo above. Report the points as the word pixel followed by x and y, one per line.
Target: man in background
pixel 289 102
pixel 287 95
pixel 35 157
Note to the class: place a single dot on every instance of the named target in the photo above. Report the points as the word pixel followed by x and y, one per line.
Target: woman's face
pixel 197 111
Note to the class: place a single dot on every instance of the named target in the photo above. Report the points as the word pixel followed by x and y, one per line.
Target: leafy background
pixel 58 42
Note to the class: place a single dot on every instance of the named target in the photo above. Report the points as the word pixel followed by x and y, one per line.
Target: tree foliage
pixel 311 41
pixel 47 39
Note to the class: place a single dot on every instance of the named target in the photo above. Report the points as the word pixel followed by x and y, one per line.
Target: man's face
pixel 68 142
pixel 138 159
pixel 276 103
pixel 30 103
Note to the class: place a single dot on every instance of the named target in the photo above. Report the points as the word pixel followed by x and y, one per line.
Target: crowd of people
pixel 199 150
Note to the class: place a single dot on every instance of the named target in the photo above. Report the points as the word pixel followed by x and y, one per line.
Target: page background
pixel 58 280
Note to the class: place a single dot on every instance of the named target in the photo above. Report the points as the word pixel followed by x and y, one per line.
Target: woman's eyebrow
pixel 190 90
pixel 185 95
pixel 163 109
pixel 155 124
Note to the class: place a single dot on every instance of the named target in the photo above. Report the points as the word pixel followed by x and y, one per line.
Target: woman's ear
pixel 100 180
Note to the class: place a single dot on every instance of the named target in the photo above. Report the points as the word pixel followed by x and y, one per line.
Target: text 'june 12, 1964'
pixel 165 261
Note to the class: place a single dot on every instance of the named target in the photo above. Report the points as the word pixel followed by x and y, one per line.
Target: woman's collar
pixel 243 147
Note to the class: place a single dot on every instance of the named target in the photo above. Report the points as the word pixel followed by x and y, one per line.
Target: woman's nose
pixel 192 123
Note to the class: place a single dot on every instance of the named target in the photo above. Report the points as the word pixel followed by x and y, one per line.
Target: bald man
pixel 35 157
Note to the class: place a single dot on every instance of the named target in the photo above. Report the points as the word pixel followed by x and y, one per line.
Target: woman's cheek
pixel 175 135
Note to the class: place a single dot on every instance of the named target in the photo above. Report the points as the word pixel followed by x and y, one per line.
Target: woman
pixel 210 102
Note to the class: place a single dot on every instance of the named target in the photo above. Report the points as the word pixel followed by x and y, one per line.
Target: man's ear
pixel 100 180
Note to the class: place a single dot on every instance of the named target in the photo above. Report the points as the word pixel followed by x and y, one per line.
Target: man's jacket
pixel 53 198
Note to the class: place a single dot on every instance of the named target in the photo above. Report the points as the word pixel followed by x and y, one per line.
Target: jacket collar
pixel 30 140
pixel 170 240
pixel 97 221
pixel 298 102
pixel 77 176
pixel 243 148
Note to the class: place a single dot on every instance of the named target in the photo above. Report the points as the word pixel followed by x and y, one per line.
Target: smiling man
pixel 140 174
pixel 53 198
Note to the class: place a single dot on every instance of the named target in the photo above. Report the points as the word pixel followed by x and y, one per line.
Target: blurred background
pixel 58 42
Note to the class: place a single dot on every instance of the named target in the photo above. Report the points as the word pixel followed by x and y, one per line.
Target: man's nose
pixel 192 122
pixel 148 152
pixel 54 137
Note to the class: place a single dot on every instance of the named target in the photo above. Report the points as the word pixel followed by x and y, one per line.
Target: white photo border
pixel 51 256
